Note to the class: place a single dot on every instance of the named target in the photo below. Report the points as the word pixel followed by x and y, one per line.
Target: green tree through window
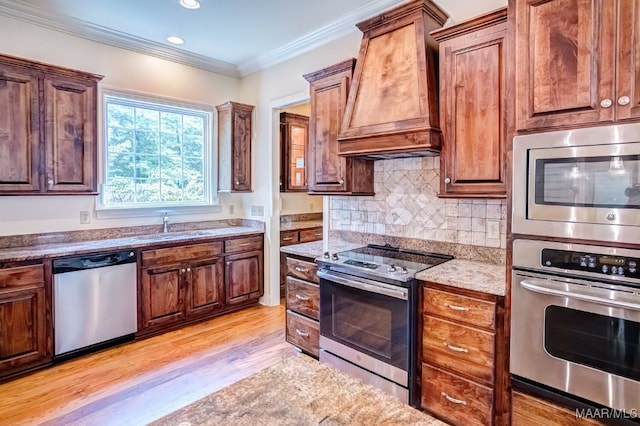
pixel 156 154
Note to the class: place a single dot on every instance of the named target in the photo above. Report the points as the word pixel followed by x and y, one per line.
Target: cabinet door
pixel 628 71
pixel 565 62
pixel 294 146
pixel 70 135
pixel 241 148
pixel 162 296
pixel 19 132
pixel 244 277
pixel 206 286
pixel 327 171
pixel 472 88
pixel 25 332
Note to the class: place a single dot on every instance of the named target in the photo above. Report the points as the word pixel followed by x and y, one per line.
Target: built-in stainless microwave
pixel 581 184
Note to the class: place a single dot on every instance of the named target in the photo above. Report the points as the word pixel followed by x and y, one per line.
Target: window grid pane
pixel 155 154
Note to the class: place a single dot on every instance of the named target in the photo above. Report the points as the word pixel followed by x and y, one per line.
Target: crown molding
pixel 80 28
pixel 333 31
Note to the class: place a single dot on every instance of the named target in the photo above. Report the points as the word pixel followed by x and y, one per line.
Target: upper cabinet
pixel 392 108
pixel 48 128
pixel 473 107
pixel 234 147
pixel 294 143
pixel 330 173
pixel 577 62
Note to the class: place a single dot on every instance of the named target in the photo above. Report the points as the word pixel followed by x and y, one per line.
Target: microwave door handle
pixel 539 287
pixel 370 286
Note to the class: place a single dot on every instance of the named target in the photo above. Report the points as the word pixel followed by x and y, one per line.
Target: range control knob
pixel 404 270
pixel 334 256
pixel 392 268
pixel 326 255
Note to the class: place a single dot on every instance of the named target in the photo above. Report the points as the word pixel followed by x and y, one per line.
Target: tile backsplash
pixel 406 205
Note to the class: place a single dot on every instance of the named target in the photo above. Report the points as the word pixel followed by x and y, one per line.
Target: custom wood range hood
pixel 392 109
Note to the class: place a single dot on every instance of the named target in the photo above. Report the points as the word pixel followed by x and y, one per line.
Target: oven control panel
pixel 591 262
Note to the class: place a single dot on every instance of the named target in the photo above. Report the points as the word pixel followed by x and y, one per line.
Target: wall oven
pixel 368 315
pixel 575 322
pixel 582 183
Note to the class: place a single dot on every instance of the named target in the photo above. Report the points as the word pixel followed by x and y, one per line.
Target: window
pixel 157 153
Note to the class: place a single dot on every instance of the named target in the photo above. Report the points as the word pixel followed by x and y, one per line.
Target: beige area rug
pixel 298 391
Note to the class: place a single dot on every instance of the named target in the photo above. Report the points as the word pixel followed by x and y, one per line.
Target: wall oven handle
pixel 366 285
pixel 539 287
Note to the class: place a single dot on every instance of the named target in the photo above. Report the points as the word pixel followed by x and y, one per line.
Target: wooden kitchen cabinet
pixel 462 363
pixel 576 62
pixel 473 107
pixel 48 129
pixel 303 304
pixel 531 411
pixel 234 147
pixel 295 236
pixel 330 173
pixel 294 144
pixel 25 319
pixel 184 284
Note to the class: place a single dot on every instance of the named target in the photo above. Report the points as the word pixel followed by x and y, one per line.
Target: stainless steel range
pixel 368 314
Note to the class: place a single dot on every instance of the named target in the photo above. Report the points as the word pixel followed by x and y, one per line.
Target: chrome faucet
pixel 165 223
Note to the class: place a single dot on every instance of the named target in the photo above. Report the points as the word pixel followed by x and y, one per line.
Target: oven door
pixel 367 323
pixel 578 337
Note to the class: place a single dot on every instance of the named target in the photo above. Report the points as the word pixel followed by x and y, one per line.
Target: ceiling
pixel 234 38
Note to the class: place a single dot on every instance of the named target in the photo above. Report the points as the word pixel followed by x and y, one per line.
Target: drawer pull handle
pixel 299 269
pixel 456 348
pixel 454 400
pixel 245 244
pixel 304 298
pixel 301 333
pixel 457 308
pixel 287 239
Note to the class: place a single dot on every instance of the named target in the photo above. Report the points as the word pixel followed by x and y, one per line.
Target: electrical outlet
pixel 85 217
pixel 493 229
pixel 257 210
pixel 232 209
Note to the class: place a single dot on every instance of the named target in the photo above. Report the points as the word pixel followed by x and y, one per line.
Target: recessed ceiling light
pixel 190 4
pixel 175 40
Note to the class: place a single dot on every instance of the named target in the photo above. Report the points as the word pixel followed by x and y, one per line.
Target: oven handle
pixel 366 285
pixel 539 287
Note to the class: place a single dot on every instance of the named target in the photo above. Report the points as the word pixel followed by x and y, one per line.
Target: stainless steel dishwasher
pixel 94 301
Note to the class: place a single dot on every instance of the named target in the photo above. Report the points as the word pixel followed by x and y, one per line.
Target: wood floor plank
pixel 141 381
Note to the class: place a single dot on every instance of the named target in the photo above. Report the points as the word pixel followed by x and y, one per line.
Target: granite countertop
pixel 315 249
pixel 16 254
pixel 300 224
pixel 468 274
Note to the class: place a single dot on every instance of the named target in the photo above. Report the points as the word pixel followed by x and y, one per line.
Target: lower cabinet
pixel 187 283
pixel 25 328
pixel 461 363
pixel 295 236
pixel 303 304
pixel 530 411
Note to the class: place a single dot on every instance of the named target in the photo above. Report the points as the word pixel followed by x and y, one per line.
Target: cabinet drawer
pixel 303 270
pixel 303 297
pixel 303 333
pixel 243 244
pixel 459 348
pixel 527 410
pixel 472 311
pixel 21 276
pixel 314 234
pixel 455 399
pixel 289 237
pixel 171 255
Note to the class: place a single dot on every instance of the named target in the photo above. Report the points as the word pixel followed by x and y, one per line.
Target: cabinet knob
pixel 182 270
pixel 447 180
pixel 341 181
pixel 50 183
pixel 606 103
pixel 237 182
pixel 623 100
pixel 188 269
pixel 228 262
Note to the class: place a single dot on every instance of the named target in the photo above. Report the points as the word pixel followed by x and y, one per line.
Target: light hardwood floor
pixel 139 382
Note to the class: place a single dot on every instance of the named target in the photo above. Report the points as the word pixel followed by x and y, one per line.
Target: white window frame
pixel 211 204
